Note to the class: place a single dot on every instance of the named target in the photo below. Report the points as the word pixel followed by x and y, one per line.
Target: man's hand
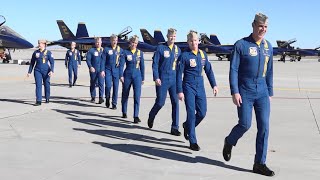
pixel 122 79
pixel 142 82
pixel 103 74
pixel 92 70
pixel 158 82
pixel 215 90
pixel 28 75
pixel 181 96
pixel 236 98
pixel 50 74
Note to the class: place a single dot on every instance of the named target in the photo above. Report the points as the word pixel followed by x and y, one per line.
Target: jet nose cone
pixel 27 44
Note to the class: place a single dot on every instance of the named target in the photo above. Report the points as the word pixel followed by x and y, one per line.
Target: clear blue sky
pixel 229 19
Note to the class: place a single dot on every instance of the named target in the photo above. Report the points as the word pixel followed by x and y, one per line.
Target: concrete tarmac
pixel 71 138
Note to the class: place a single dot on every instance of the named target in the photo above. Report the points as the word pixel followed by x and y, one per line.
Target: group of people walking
pixel 182 75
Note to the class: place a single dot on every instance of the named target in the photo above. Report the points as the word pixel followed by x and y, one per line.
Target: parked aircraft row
pixel 9 39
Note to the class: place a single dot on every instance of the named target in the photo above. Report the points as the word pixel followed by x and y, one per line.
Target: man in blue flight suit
pixel 110 70
pixel 72 62
pixel 43 63
pixel 193 64
pixel 251 85
pixel 94 60
pixel 164 75
pixel 132 75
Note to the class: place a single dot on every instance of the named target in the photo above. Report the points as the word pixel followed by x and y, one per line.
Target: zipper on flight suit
pixel 256 80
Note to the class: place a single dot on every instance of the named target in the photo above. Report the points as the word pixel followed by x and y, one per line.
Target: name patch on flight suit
pixel 193 63
pixel 166 54
pixel 253 51
pixel 110 52
pixel 129 57
pixel 96 53
pixel 37 55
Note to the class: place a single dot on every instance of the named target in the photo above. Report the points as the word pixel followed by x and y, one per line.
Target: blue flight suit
pixel 251 75
pixel 43 63
pixel 111 66
pixel 72 60
pixel 94 59
pixel 164 68
pixel 133 75
pixel 193 68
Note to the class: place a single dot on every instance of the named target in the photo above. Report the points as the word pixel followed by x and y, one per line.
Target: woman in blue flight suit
pixel 132 75
pixel 43 63
pixel 72 62
pixel 193 64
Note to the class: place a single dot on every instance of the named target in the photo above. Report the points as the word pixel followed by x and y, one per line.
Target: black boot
pixel 175 132
pixel 100 100
pixel 93 99
pixel 136 120
pixel 124 115
pixel 194 147
pixel 262 169
pixel 70 86
pixel 150 121
pixel 227 149
pixel 47 100
pixel 114 107
pixel 107 102
pixel 185 131
pixel 38 103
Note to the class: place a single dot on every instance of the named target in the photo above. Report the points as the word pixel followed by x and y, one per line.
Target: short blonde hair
pixel 42 41
pixel 171 31
pixel 134 38
pixel 192 34
pixel 113 36
pixel 96 39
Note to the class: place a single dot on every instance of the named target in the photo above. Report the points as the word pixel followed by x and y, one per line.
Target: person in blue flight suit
pixel 133 75
pixel 164 66
pixel 251 85
pixel 43 63
pixel 193 64
pixel 110 70
pixel 94 60
pixel 73 62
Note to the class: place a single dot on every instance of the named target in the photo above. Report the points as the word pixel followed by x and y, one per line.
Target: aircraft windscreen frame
pixel 2 20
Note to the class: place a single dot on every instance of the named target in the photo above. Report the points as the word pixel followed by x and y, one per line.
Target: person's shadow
pixel 156 153
pixel 123 135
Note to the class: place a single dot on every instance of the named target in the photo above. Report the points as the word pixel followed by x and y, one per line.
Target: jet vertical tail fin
pixel 158 36
pixel 147 38
pixel 82 30
pixel 64 30
pixel 214 39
